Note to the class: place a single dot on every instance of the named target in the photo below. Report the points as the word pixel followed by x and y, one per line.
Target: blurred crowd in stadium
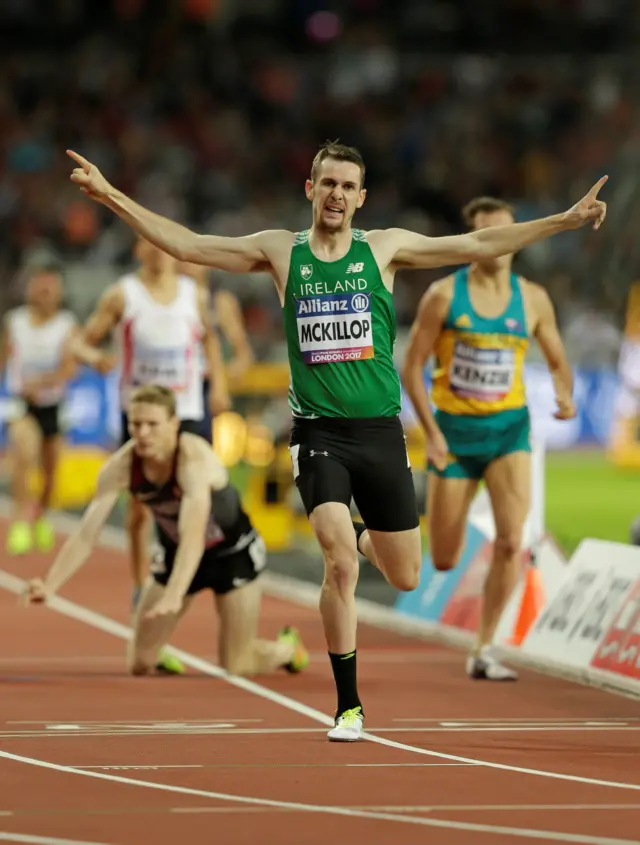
pixel 210 111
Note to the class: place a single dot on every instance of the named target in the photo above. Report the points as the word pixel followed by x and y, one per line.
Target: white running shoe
pixel 485 667
pixel 348 727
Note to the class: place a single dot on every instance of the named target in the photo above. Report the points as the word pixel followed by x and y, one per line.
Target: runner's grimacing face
pixel 153 430
pixel 335 194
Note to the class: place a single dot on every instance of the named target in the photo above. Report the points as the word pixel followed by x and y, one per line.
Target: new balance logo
pixel 355 268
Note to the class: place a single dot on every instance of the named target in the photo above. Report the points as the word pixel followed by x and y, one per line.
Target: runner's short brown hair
pixel 484 205
pixel 155 394
pixel 340 152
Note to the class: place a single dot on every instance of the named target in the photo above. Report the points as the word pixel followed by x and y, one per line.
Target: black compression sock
pixel 359 528
pixel 344 673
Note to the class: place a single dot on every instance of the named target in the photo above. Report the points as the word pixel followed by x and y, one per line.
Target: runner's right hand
pixel 105 363
pixel 437 450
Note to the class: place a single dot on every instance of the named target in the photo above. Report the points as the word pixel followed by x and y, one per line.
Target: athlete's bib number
pixel 161 356
pixel 481 373
pixel 166 367
pixel 335 328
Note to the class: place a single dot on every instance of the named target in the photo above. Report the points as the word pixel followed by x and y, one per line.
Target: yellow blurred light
pixel 259 447
pixel 229 437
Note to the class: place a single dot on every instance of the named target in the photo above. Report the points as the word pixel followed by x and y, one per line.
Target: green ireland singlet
pixel 341 329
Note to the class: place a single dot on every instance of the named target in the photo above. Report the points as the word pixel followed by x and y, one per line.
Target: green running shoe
pixel 19 539
pixel 168 664
pixel 300 658
pixel 45 535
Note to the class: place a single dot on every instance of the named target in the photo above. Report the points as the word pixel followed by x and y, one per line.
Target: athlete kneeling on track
pixel 207 541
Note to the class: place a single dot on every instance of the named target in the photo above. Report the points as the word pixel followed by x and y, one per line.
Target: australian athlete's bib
pixel 335 328
pixel 483 373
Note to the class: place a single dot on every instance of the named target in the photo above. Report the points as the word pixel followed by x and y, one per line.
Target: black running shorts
pixel 335 459
pixel 47 418
pixel 221 570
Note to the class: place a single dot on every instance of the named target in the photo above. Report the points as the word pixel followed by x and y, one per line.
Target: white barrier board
pixel 593 620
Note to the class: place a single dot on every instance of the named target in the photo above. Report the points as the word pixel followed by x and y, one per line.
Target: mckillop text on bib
pixel 335 328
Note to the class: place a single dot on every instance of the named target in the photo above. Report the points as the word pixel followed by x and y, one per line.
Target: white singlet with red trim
pixel 36 349
pixel 160 344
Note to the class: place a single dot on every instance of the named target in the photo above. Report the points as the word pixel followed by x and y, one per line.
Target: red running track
pixel 90 755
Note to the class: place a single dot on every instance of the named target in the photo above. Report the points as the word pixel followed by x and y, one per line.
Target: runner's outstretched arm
pixel 112 481
pixel 411 250
pixel 235 255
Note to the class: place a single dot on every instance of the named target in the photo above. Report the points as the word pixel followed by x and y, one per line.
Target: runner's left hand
pixel 166 606
pixel 589 210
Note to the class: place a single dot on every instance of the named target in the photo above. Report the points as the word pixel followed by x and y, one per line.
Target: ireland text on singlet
pixel 341 330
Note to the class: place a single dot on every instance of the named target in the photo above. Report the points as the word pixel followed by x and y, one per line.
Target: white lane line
pixel 103 623
pixel 229 730
pixel 626 720
pixel 477 808
pixel 449 808
pixel 108 767
pixel 151 768
pixel 136 722
pixel 398 818
pixel 42 840
pixel 223 810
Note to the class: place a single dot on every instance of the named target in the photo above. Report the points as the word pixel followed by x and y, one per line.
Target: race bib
pixel 481 373
pixel 162 353
pixel 335 328
pixel 167 367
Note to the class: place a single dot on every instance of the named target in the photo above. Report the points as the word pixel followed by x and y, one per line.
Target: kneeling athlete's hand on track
pixel 35 592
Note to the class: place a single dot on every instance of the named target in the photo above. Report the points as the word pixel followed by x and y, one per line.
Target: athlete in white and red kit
pixel 163 333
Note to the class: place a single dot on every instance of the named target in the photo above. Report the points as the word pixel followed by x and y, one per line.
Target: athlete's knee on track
pixel 139 661
pixel 242 663
pixel 136 665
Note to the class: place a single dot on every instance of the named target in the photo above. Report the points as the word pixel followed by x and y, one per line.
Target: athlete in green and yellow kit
pixel 477 323
pixel 335 284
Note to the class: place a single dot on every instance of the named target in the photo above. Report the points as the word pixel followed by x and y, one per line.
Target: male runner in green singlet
pixel 335 285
